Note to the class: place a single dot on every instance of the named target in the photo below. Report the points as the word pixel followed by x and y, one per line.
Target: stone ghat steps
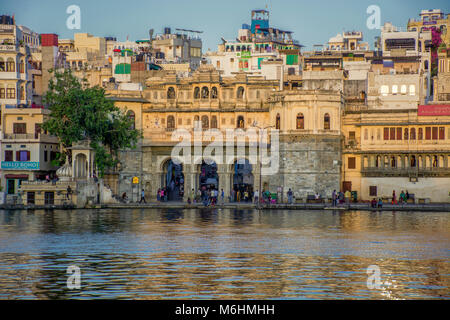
pixel 247 206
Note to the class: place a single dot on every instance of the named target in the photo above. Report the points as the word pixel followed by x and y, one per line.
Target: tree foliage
pixel 83 113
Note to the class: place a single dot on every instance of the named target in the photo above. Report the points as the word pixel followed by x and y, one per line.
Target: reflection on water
pixel 224 254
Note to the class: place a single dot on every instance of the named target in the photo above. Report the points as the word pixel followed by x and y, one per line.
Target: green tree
pixel 83 113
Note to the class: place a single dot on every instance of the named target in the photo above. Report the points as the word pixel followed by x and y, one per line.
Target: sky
pixel 312 21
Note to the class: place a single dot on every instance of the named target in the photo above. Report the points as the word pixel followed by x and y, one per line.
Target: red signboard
pixel 434 110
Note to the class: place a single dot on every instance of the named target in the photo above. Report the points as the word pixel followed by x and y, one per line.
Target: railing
pixel 409 171
pixel 27 136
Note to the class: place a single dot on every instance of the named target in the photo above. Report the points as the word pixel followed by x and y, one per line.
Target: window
pixel 10 65
pixel 326 121
pixel 214 93
pixel 240 93
pixel 412 90
pixel 197 93
pixel 399 133
pixel 420 136
pixel 197 122
pixel 300 121
pixel 205 93
pixel 19 128
pixel 435 133
pixel 394 89
pixel 406 134
pixel 214 122
pixel 240 122
pixel 10 93
pixel 8 155
pixel 386 134
pixel 373 191
pixel 413 161
pixel 278 122
pixel 366 134
pixel 2 65
pixel 393 162
pixel 132 118
pixel 2 93
pixel 413 134
pixel 441 133
pixel 351 135
pixel 205 122
pixel 30 197
pixel 49 198
pixel 428 133
pixel 171 93
pixel 23 155
pixel 45 155
pixel 392 134
pixel 403 89
pixel 352 163
pixel 170 122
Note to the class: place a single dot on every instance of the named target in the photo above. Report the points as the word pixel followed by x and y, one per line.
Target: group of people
pixel 209 196
pixel 340 197
pixel 241 195
pixel 404 197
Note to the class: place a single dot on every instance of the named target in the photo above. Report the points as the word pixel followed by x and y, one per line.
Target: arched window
pixel 213 122
pixel 240 93
pixel 426 65
pixel 80 64
pixel 278 122
pixel 196 121
pixel 22 93
pixel 21 67
pixel 10 65
pixel 412 90
pixel 170 122
pixel 384 90
pixel 413 161
pixel 412 135
pixel 326 122
pixel 214 93
pixel 132 117
pixel 403 89
pixel 420 135
pixel 240 122
pixel 300 121
pixel 155 95
pixel 171 93
pixel 406 134
pixel 205 122
pixel 205 93
pixel 393 162
pixel 2 65
pixel 394 89
pixel 197 93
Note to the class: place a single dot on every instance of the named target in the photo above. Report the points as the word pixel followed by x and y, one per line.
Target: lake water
pixel 224 254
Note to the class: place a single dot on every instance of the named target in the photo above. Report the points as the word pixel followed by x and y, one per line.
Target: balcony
pixel 24 137
pixel 404 172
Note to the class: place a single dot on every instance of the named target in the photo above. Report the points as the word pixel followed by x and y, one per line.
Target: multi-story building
pixel 26 152
pixel 185 46
pixel 308 122
pixel 432 19
pixel 258 50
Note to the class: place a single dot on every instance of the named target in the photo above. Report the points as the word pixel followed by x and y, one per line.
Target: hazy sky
pixel 312 21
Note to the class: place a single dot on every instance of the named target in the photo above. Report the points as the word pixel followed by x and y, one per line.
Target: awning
pixel 16 176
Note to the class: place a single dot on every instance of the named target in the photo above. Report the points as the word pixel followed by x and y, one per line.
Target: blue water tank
pixel 245 26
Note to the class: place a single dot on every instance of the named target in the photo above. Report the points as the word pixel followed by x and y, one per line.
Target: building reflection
pixel 223 254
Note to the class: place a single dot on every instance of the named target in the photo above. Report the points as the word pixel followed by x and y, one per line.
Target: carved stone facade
pixel 308 122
